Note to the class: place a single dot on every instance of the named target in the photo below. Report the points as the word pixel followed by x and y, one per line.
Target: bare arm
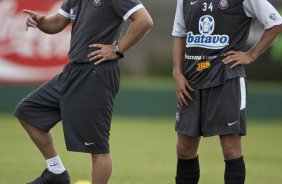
pixel 178 55
pixel 140 26
pixel 181 84
pixel 258 49
pixel 51 24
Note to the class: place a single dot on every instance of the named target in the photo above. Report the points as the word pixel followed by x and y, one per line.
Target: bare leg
pixel 101 168
pixel 42 140
pixel 231 146
pixel 187 147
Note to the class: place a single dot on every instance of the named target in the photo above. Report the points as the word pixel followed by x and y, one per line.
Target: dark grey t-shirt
pixel 95 21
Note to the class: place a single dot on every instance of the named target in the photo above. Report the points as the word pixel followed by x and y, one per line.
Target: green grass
pixel 143 151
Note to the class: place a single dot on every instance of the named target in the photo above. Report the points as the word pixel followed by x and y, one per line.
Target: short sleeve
pixel 65 9
pixel 179 28
pixel 126 8
pixel 263 11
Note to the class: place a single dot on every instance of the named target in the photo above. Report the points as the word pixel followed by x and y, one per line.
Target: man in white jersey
pixel 209 36
pixel 82 95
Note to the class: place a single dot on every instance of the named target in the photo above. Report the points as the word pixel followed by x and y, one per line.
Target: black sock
pixel 188 171
pixel 235 171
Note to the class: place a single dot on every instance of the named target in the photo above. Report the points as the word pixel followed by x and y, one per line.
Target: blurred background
pixel 28 58
pixel 145 105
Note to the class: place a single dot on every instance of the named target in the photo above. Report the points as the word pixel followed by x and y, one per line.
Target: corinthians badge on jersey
pixel 223 4
pixel 97 3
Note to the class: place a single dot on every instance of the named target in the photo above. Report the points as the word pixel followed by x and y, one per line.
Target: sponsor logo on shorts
pixel 89 143
pixel 233 123
pixel 203 65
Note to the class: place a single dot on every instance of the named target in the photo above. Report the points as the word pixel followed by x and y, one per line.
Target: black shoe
pixel 48 177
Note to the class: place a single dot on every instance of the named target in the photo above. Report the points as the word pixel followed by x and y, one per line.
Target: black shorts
pixel 82 97
pixel 219 110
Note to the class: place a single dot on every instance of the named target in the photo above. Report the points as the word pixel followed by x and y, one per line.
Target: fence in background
pixel 262 104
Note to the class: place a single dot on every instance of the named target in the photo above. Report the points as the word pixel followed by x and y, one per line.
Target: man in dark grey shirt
pixel 82 95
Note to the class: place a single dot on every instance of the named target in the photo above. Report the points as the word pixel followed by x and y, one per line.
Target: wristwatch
pixel 116 50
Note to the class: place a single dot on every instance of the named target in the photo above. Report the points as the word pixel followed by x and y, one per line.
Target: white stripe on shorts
pixel 243 93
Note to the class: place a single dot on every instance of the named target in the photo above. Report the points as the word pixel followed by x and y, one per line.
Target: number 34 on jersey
pixel 209 6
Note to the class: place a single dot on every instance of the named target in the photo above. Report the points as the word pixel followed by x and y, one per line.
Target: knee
pixel 104 159
pixel 186 151
pixel 231 151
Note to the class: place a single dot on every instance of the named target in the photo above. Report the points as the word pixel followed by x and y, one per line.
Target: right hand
pixel 33 19
pixel 182 89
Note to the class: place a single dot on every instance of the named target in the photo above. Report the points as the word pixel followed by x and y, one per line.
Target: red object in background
pixel 29 56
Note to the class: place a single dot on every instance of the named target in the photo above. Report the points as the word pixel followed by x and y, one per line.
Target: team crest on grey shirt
pixel 223 4
pixel 98 3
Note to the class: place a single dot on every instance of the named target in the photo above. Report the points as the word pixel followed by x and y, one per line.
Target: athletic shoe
pixel 48 177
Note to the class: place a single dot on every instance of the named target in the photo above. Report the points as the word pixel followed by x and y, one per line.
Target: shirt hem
pixel 30 121
pixel 178 35
pixel 217 83
pixel 273 25
pixel 83 150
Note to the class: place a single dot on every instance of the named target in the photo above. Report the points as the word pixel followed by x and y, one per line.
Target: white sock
pixel 55 165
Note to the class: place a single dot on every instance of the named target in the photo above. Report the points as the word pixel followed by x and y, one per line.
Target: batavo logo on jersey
pixel 205 39
pixel 203 65
pixel 29 56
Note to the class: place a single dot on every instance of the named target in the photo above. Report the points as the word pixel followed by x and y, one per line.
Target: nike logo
pixel 89 143
pixel 230 124
pixel 194 2
pixel 54 164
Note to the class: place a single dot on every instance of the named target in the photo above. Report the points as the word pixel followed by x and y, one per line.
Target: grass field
pixel 143 151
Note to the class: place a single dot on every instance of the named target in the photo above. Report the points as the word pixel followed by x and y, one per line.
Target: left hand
pixel 237 58
pixel 105 53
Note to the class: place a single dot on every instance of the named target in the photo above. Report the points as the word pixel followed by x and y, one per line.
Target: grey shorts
pixel 82 97
pixel 219 110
